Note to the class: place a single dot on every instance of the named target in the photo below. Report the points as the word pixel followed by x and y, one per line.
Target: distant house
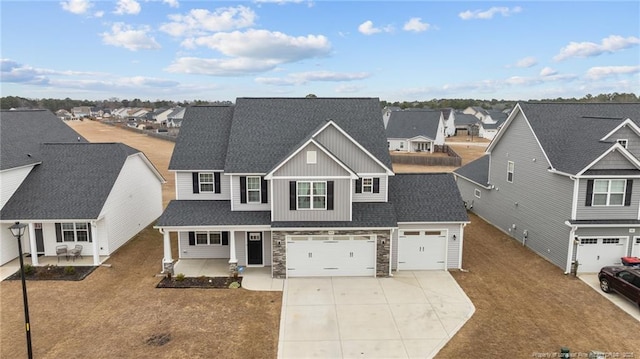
pixel 81 112
pixel 449 118
pixel 386 113
pixel 174 119
pixel 477 111
pixel 466 124
pixel 415 131
pixel 64 114
pixel 68 191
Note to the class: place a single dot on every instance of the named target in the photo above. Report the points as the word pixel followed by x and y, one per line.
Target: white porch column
pixel 167 247
pixel 32 244
pixel 96 247
pixel 232 248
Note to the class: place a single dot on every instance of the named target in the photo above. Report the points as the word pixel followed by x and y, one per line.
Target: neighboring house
pixel 64 114
pixel 476 111
pixel 467 123
pixel 415 131
pixel 81 112
pixel 449 118
pixel 562 179
pixel 305 186
pixel 70 192
pixel 174 119
pixel 386 113
pixel 161 116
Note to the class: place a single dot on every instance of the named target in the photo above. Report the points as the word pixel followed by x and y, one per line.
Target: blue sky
pixel 397 51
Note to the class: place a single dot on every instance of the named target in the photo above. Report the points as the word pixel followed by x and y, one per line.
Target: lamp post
pixel 18 231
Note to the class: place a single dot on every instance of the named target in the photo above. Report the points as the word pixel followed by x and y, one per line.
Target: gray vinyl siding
pixel 347 151
pixel 537 201
pixel 633 141
pixel 184 188
pixel 613 161
pixel 453 247
pixel 235 198
pixel 372 197
pixel 342 205
pixel 479 206
pixel 607 212
pixel 298 166
pixel 191 252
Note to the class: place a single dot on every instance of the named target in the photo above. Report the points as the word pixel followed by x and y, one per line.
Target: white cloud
pixel 221 67
pixel 367 28
pixel 98 14
pixel 127 7
pixel 172 3
pixel 126 36
pixel 301 78
pixel 201 21
pixel 547 71
pixel 263 44
pixel 488 14
pixel 348 89
pixel 415 24
pixel 526 62
pixel 610 44
pixel 76 6
pixel 600 72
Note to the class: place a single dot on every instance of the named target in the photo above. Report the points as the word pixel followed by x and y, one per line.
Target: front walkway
pixel 13 266
pixel 253 278
pixel 410 315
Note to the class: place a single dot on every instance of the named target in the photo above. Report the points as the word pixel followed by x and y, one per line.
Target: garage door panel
pixel 421 250
pixel 595 253
pixel 321 258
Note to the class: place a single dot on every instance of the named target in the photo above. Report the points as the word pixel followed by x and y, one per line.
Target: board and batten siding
pixel 453 254
pixel 633 141
pixel 235 197
pixel 614 161
pixel 341 203
pixel 10 180
pixel 203 251
pixel 537 201
pixel 184 188
pixel 135 201
pixel 381 196
pixel 607 212
pixel 298 166
pixel 347 151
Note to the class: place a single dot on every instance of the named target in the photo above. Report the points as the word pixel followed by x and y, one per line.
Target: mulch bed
pixel 51 272
pixel 198 282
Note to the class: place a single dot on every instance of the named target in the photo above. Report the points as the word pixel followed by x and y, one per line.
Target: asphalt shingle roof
pixel 364 215
pixel 463 119
pixel 22 132
pixel 409 124
pixel 476 171
pixel 264 130
pixel 209 213
pixel 73 182
pixel 202 141
pixel 426 197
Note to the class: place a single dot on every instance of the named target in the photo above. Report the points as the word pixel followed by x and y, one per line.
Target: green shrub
pixel 29 269
pixel 234 285
pixel 180 277
pixel 69 270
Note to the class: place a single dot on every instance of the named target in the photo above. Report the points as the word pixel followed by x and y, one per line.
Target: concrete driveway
pixel 411 315
pixel 592 280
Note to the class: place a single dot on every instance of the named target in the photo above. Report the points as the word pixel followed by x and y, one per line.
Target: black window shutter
pixel 329 195
pixel 196 182
pixel 359 185
pixel 263 190
pixel 89 232
pixel 58 232
pixel 225 238
pixel 243 189
pixel 376 185
pixel 292 196
pixel 589 193
pixel 192 238
pixel 216 180
pixel 627 194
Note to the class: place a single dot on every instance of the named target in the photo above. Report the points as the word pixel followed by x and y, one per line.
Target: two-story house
pixel 305 185
pixel 560 179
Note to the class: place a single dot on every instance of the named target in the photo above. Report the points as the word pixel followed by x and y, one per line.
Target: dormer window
pixel 623 142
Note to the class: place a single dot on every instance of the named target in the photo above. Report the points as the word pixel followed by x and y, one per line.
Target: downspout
pixel 572 239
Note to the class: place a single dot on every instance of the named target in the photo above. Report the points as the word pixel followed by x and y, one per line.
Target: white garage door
pixel 422 249
pixel 635 249
pixel 595 253
pixel 324 256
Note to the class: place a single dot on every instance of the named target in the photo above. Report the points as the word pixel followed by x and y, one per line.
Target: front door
pixel 39 238
pixel 254 248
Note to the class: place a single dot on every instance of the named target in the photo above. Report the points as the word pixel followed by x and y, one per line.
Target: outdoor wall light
pixel 454 237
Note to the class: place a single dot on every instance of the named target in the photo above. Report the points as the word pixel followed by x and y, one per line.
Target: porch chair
pixel 61 251
pixel 76 252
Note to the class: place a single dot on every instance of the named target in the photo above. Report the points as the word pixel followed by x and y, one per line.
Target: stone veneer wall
pixel 279 245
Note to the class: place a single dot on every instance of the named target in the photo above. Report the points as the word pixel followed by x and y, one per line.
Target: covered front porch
pixel 420 144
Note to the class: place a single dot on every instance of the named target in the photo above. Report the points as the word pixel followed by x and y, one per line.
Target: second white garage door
pixel 422 249
pixel 316 256
pixel 595 253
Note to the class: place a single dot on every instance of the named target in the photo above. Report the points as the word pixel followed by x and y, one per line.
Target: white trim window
pixel 477 193
pixel 511 168
pixel 623 142
pixel 75 232
pixel 206 182
pixel 254 194
pixel 367 185
pixel 312 195
pixel 609 192
pixel 208 239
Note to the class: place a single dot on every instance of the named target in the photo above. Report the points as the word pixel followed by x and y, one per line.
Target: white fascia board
pixel 149 164
pixel 624 123
pixel 425 138
pixel 555 171
pixel 303 146
pixel 20 167
pixel 331 123
pixel 616 147
pixel 603 225
pixel 311 177
pixel 325 229
pixel 435 223
pixel 212 228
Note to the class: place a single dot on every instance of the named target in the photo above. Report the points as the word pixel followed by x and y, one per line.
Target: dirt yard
pixel 464 147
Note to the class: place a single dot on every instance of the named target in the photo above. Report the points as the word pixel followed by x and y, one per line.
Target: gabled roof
pixel 22 132
pixel 476 171
pixel 72 182
pixel 202 141
pixel 410 124
pixel 426 197
pixel 265 130
pixel 570 133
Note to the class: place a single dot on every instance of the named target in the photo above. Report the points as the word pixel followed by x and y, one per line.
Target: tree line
pixel 53 105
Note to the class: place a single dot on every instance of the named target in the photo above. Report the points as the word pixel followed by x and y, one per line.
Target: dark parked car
pixel 622 279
